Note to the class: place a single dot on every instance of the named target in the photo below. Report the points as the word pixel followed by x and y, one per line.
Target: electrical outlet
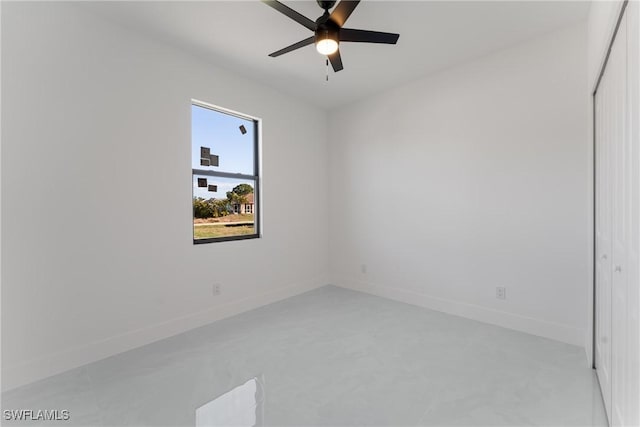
pixel 216 289
pixel 363 268
pixel 501 292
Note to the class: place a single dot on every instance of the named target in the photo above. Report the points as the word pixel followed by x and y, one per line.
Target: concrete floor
pixel 330 357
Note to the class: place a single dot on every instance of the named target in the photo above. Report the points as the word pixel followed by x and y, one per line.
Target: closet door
pixel 632 383
pixel 621 198
pixel 611 222
pixel 617 137
pixel 603 118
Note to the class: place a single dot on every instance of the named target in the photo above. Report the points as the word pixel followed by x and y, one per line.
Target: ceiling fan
pixel 328 30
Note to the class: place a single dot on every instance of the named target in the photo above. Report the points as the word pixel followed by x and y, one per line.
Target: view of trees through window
pixel 225 175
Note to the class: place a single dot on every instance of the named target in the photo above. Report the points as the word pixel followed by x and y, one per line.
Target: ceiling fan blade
pixel 336 61
pixel 366 36
pixel 294 46
pixel 342 11
pixel 286 10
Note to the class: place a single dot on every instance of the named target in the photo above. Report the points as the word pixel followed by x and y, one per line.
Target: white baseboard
pixel 52 364
pixel 46 366
pixel 554 331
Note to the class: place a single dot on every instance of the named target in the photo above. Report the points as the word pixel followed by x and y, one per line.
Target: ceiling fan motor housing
pixel 327 30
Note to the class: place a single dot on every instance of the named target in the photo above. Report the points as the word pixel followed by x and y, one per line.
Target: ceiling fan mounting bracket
pixel 326 4
pixel 324 24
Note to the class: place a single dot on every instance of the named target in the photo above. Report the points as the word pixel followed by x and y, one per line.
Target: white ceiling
pixel 434 35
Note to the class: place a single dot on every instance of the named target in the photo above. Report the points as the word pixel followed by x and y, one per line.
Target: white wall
pixel 473 178
pixel 96 193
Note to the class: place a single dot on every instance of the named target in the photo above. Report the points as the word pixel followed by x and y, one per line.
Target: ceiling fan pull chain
pixel 327 69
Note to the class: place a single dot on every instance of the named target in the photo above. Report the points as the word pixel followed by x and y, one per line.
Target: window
pixel 225 176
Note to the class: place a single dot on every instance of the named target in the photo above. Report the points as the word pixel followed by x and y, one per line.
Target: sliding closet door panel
pixel 617 137
pixel 632 402
pixel 621 160
pixel 603 103
pixel 617 192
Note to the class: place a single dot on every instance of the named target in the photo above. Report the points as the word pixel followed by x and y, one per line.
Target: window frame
pixel 257 137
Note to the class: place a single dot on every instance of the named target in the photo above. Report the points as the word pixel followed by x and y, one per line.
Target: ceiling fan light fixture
pixel 326 44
